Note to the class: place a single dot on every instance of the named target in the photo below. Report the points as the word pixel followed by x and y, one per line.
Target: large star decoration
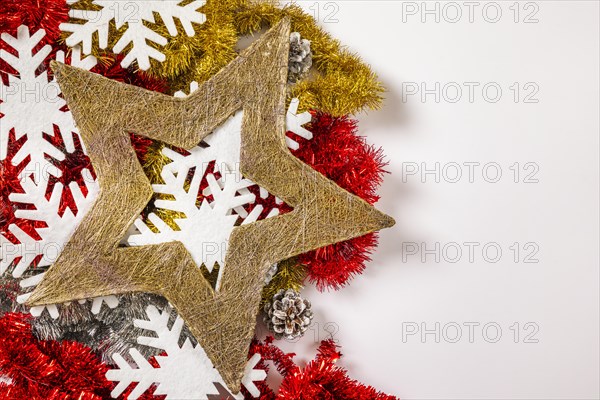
pixel 94 264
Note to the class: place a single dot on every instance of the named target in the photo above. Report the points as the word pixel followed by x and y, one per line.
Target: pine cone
pixel 288 315
pixel 300 59
pixel 271 273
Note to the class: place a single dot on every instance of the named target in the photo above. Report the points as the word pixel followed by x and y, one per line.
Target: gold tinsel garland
pixel 342 84
pixel 290 275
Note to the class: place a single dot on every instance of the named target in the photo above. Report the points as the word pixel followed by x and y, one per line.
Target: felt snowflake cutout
pixel 294 122
pixel 31 93
pixel 185 372
pixel 58 230
pixel 31 104
pixel 54 236
pixel 206 228
pixel 96 302
pixel 135 15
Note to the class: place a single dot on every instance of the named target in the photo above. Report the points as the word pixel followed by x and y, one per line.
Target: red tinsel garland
pixel 34 370
pixel 11 183
pixel 320 379
pixel 109 66
pixel 48 370
pixel 340 154
pixel 36 14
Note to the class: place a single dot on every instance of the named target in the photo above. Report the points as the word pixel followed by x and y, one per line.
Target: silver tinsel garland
pixel 108 332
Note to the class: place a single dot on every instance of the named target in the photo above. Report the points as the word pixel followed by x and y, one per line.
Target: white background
pixel 559 214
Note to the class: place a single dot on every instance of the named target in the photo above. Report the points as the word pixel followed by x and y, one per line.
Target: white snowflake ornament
pixel 294 122
pixel 205 230
pixel 54 236
pixel 39 208
pixel 251 375
pixel 184 372
pixel 32 106
pixel 134 14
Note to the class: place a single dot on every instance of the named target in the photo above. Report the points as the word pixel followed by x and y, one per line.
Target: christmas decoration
pixel 337 152
pixel 229 194
pixel 48 105
pixel 110 331
pixel 322 378
pixel 288 315
pixel 127 20
pixel 300 59
pixel 44 214
pixel 182 373
pixel 46 370
pixel 229 202
pixel 152 268
pixel 34 369
pixel 56 197
pixel 37 15
pixel 212 222
pixel 343 84
pixel 319 379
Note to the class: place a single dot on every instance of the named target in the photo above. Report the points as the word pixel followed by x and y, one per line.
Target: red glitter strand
pixel 36 14
pixel 47 369
pixel 320 379
pixel 340 154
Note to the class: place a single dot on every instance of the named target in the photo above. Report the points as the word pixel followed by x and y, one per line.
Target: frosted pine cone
pixel 288 315
pixel 271 273
pixel 300 59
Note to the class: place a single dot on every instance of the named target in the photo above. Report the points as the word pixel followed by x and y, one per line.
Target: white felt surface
pixel 559 213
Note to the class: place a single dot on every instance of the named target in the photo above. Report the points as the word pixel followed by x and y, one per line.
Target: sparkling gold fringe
pixel 342 83
pixel 290 275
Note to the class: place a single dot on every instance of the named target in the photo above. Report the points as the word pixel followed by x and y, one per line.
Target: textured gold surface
pixel 92 263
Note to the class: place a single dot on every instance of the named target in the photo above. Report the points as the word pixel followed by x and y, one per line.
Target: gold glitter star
pixel 93 264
